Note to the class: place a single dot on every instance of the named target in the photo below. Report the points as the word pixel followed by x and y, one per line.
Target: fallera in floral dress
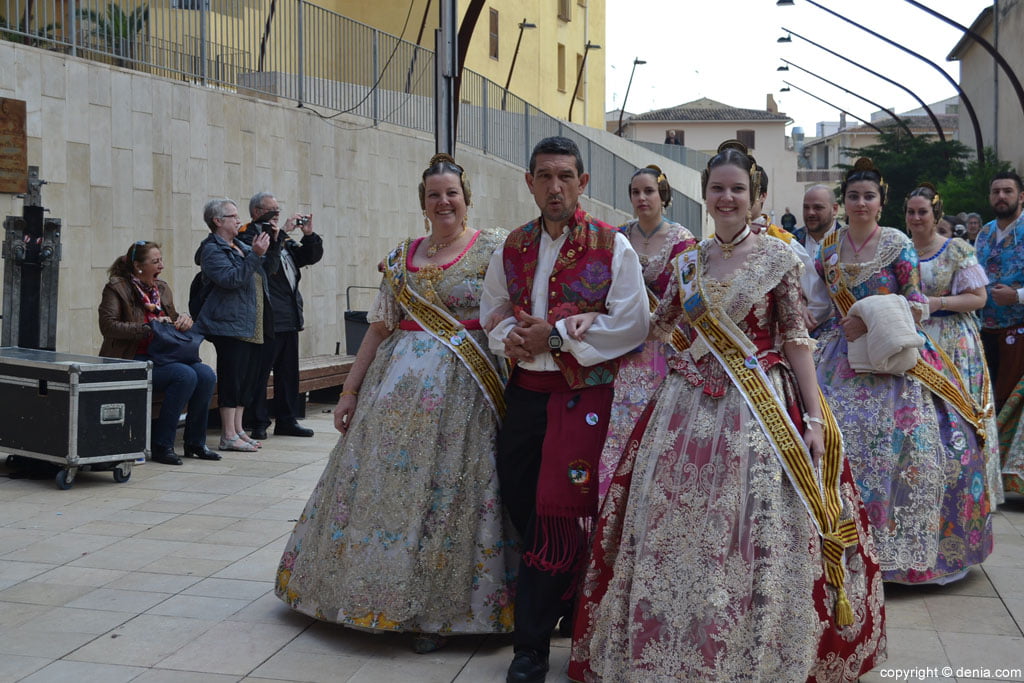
pixel 916 460
pixel 953 270
pixel 404 531
pixel 641 372
pixel 705 565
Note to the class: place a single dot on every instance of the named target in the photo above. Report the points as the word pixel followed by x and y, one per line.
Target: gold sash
pixel 446 329
pixel 819 492
pixel 679 342
pixel 935 381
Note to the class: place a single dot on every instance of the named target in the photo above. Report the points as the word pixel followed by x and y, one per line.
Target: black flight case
pixel 78 412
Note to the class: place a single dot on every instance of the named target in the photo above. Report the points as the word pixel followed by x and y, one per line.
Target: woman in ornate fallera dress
pixel 657 242
pixel 404 531
pixel 954 283
pixel 722 552
pixel 911 439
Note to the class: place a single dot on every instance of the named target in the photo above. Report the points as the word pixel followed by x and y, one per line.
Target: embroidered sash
pixel 679 342
pixel 819 493
pixel 446 329
pixel 935 381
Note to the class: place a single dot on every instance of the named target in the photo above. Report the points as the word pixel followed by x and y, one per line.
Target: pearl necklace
pixel 727 247
pixel 434 248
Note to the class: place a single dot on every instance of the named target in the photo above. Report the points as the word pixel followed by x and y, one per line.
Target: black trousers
pixel 539 595
pixel 282 356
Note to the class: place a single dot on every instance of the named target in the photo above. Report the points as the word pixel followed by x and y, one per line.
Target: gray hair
pixel 215 209
pixel 973 215
pixel 256 201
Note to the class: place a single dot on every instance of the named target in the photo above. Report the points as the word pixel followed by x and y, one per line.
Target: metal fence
pixel 295 50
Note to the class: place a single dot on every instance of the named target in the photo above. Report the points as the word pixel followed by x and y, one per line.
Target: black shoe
pixel 165 455
pixel 528 666
pixel 290 429
pixel 201 452
pixel 258 433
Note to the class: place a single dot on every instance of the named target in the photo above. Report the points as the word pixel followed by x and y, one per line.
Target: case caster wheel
pixel 121 475
pixel 11 460
pixel 64 480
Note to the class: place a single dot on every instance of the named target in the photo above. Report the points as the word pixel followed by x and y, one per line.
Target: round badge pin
pixel 1010 339
pixel 592 419
pixel 750 362
pixel 456 340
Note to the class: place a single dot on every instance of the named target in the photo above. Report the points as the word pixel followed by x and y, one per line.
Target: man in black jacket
pixel 282 264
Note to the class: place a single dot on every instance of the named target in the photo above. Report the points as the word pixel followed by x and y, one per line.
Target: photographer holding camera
pixel 283 262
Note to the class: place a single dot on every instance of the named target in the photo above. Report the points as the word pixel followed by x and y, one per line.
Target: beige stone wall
pixel 129 156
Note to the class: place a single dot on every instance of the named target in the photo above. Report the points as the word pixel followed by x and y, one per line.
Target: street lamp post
pixel 890 112
pixel 579 77
pixel 524 24
pixel 866 123
pixel 928 110
pixel 622 109
pixel 956 86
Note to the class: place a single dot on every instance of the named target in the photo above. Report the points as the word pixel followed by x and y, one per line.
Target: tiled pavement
pixel 168 578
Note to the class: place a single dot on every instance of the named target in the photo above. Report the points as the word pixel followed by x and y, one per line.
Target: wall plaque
pixel 13 147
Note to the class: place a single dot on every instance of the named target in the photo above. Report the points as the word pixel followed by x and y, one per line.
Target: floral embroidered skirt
pixel 404 531
pixel 917 464
pixel 958 336
pixel 706 565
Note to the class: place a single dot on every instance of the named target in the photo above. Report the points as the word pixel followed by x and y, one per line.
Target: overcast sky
pixel 727 50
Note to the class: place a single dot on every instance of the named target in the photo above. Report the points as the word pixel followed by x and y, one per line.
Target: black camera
pixel 301 220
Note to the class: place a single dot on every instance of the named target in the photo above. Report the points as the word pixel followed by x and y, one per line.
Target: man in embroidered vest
pixel 550 271
pixel 1000 249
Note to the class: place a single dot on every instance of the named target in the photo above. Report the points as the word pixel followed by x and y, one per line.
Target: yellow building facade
pixel 550 54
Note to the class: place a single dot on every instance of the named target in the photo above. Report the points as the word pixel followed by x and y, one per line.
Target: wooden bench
pixel 315 372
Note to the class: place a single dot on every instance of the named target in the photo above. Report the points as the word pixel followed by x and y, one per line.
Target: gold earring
pixel 426 222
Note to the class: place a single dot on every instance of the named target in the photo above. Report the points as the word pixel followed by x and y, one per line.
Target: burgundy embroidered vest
pixel 579 283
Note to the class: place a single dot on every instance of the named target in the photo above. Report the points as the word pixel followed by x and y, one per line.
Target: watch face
pixel 554 340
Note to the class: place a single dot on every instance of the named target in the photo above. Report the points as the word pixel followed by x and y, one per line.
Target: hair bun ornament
pixel 863 164
pixel 733 144
pixel 657 169
pixel 928 185
pixel 442 157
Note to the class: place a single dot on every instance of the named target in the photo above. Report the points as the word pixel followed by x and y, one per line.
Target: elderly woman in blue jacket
pixel 234 316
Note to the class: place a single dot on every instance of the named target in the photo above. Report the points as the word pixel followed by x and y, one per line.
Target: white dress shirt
pixel 613 334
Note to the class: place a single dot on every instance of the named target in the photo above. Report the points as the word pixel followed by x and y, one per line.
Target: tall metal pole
pixel 622 109
pixel 579 77
pixel 952 81
pixel 524 24
pixel 928 110
pixel 446 63
pixel 890 112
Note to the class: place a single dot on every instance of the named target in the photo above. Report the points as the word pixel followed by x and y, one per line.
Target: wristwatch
pixel 554 339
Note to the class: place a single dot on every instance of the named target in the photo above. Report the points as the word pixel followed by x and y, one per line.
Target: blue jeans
pixel 182 384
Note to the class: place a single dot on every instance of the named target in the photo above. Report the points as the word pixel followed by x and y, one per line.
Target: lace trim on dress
pixel 969 277
pixel 890 243
pixel 764 268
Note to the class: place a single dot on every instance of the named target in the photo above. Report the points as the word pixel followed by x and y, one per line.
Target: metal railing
pixel 294 50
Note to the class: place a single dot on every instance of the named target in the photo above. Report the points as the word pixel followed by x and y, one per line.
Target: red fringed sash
pixel 567 484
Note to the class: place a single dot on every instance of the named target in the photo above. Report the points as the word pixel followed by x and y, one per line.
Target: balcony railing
pixel 294 50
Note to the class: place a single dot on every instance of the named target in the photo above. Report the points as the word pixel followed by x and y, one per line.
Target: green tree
pixel 905 161
pixel 968 191
pixel 114 31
